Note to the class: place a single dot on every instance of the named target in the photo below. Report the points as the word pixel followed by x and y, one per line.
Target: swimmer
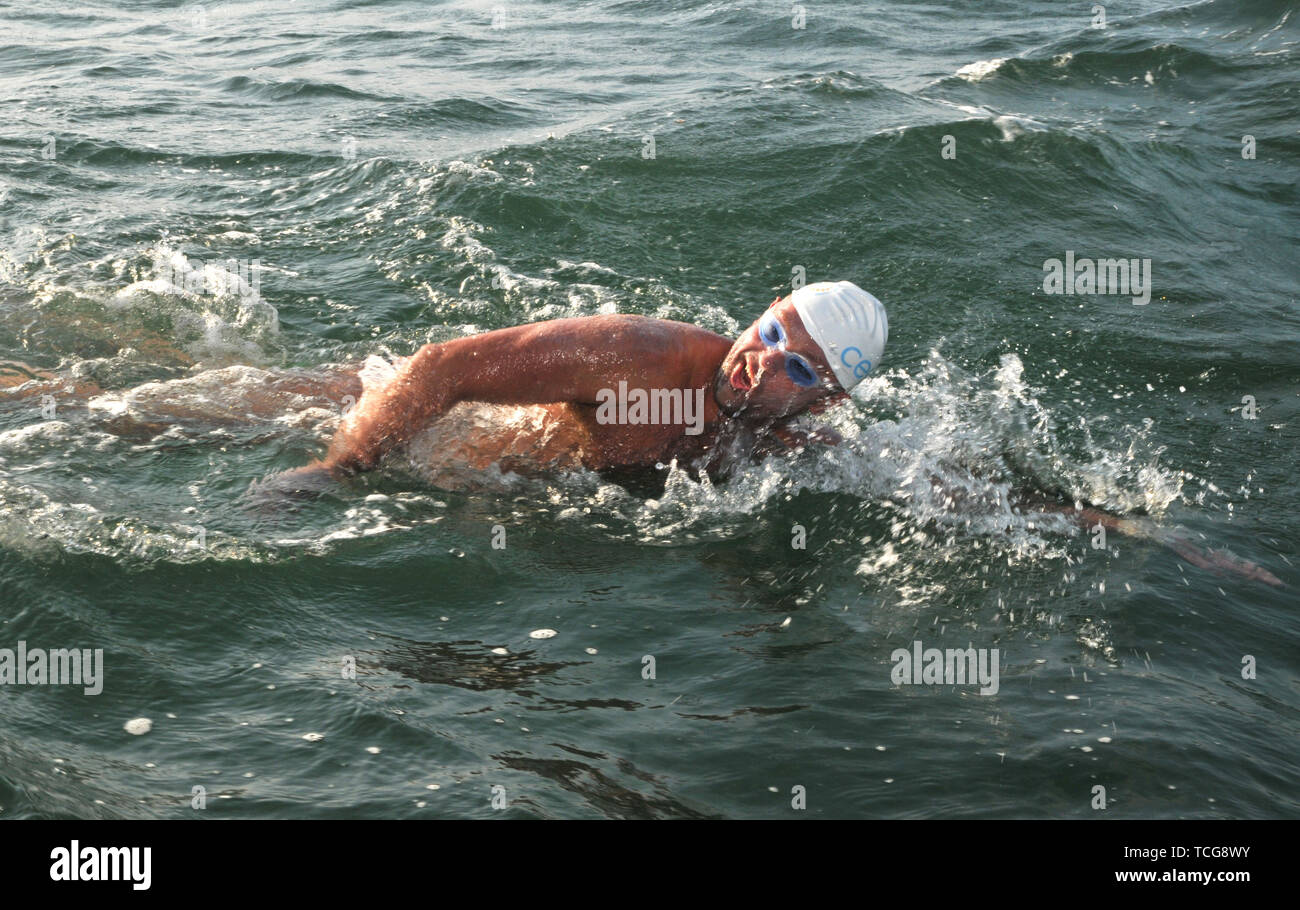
pixel 576 383
pixel 803 354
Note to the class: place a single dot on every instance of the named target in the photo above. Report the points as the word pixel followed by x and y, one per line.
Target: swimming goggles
pixel 799 370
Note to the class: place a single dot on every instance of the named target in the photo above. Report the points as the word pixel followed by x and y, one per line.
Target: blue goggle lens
pixel 771 331
pixel 799 370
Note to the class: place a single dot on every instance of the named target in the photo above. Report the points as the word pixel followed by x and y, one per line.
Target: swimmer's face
pixel 758 376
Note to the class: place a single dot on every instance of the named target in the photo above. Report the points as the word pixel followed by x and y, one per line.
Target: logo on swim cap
pixel 848 324
pixel 861 368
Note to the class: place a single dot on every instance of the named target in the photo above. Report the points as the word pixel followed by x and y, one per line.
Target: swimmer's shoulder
pixel 653 328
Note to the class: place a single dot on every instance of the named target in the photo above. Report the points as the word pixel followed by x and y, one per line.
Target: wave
pixel 299 90
pixel 1137 62
pixel 1150 47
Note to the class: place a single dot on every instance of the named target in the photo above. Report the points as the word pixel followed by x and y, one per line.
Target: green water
pixel 398 173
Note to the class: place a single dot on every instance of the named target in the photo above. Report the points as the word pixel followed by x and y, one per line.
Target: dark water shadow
pixel 466 664
pixel 600 790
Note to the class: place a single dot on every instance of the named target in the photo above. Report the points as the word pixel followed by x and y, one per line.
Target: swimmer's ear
pixel 775 302
pixel 821 404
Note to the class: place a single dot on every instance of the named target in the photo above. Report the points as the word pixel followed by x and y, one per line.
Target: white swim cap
pixel 848 324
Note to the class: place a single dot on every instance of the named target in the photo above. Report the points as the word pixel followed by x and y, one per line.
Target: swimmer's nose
pixel 770 361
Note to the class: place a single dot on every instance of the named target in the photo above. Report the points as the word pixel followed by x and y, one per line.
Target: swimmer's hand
pixel 798 439
pixel 1217 561
pixel 306 482
pixel 825 436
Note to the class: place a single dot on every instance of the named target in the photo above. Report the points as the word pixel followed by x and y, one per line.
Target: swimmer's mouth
pixel 741 378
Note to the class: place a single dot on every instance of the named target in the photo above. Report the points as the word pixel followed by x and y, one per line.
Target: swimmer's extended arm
pixel 564 360
pixel 1089 518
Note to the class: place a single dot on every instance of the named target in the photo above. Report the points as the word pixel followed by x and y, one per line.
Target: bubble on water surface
pixel 138 726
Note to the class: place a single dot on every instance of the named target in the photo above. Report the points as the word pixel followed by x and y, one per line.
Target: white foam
pixel 980 69
pixel 138 726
